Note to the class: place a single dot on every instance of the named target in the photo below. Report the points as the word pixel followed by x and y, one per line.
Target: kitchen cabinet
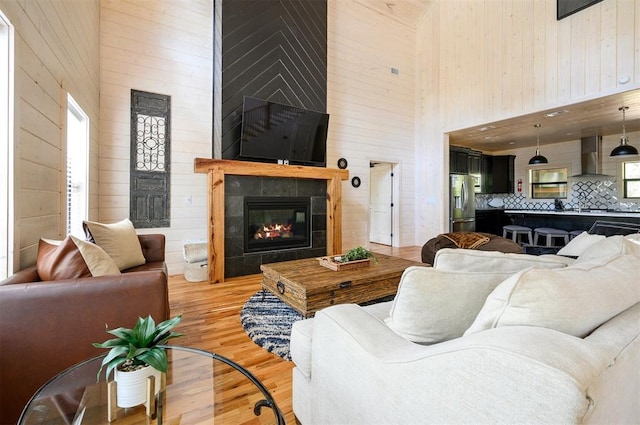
pixel 475 162
pixel 491 221
pixel 498 173
pixel 458 160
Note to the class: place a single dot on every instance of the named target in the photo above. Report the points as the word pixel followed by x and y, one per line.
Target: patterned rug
pixel 268 321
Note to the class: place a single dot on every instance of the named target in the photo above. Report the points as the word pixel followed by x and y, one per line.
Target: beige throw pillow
pixel 433 306
pixel 574 300
pixel 119 240
pixel 98 261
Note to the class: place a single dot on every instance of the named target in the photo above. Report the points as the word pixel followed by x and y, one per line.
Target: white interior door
pixel 381 203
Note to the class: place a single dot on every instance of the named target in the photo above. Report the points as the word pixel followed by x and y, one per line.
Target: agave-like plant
pixel 139 346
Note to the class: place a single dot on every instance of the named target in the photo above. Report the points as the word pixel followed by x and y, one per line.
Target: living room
pixel 99 51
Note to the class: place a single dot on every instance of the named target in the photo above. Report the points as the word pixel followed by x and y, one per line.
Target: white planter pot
pixel 132 386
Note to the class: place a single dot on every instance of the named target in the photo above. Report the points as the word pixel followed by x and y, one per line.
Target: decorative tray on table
pixel 334 263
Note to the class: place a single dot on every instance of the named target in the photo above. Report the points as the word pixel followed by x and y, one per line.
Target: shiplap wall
pixel 508 58
pixel 372 110
pixel 162 47
pixel 56 51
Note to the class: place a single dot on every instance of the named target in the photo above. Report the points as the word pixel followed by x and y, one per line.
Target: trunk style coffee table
pixel 308 287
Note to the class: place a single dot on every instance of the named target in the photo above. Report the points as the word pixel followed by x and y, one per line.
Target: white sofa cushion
pixel 574 300
pixel 579 244
pixel 434 305
pixel 471 260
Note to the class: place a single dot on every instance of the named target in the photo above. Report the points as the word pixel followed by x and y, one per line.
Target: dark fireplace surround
pixel 300 205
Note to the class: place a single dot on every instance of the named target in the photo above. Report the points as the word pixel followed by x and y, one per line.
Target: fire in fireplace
pixel 276 223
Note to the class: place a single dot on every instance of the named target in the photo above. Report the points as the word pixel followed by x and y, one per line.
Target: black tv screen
pixel 273 132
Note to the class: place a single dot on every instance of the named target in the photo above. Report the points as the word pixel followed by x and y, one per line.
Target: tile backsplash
pixel 594 193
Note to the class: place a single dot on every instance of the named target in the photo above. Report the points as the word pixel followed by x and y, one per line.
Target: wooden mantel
pixel 217 169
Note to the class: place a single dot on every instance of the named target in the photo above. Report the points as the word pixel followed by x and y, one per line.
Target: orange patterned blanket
pixel 467 240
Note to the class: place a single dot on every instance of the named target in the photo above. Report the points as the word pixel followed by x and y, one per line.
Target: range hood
pixel 591 157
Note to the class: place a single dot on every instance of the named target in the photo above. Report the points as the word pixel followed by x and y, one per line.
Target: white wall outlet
pixel 188 200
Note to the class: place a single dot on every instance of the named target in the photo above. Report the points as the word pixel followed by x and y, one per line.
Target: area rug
pixel 268 322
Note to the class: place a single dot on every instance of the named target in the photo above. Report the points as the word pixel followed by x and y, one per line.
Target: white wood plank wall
pixel 468 62
pixel 500 59
pixel 164 47
pixel 56 51
pixel 372 110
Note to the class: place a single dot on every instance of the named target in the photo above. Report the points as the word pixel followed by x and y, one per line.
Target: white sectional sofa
pixel 482 338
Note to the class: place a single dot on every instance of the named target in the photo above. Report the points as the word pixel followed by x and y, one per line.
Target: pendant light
pixel 624 149
pixel 538 159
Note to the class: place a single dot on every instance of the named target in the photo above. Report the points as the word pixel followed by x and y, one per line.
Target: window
pixel 548 183
pixel 631 179
pixel 6 147
pixel 77 167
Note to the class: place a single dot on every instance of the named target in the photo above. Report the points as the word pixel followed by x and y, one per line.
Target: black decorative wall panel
pixel 273 50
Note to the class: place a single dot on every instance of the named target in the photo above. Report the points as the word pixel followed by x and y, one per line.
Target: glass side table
pixel 201 387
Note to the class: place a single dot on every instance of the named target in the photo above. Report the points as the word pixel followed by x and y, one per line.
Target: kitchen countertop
pixel 586 212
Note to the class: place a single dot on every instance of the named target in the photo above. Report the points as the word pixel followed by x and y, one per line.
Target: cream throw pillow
pixel 579 244
pixel 119 240
pixel 434 306
pixel 574 300
pixel 98 261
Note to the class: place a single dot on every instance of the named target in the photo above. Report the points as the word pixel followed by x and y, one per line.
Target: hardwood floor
pixel 211 321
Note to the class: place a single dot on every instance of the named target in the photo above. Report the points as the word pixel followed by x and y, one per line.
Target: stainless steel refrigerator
pixel 462 203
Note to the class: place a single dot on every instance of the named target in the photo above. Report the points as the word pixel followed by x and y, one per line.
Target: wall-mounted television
pixel 273 132
pixel 565 8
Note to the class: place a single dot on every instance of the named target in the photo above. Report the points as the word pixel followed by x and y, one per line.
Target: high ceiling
pixel 598 116
pixel 409 12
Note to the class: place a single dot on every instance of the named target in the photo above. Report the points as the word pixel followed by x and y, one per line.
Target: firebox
pixel 276 223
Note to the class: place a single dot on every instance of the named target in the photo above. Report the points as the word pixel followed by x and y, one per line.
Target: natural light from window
pixel 631 179
pixel 6 147
pixel 77 167
pixel 548 183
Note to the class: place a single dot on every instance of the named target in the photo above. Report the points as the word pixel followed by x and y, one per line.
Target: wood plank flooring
pixel 211 321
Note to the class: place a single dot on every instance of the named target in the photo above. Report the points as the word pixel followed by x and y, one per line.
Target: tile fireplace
pixel 273 223
pixel 270 219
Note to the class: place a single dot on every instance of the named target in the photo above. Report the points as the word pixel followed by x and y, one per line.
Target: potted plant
pixel 134 355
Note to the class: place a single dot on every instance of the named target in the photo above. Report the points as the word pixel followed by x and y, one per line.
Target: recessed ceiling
pixel 571 122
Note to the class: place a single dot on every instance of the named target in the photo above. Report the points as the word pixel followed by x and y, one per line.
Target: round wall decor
pixel 355 182
pixel 342 163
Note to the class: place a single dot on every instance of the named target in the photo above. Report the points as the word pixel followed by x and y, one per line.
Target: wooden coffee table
pixel 308 287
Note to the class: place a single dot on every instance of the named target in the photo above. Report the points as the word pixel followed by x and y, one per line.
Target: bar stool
pixel 550 233
pixel 574 233
pixel 517 232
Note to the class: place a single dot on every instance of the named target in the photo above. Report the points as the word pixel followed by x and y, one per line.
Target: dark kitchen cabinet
pixel 498 173
pixel 475 162
pixel 491 221
pixel 458 160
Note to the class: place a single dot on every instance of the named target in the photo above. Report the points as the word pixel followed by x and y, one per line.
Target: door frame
pixel 395 199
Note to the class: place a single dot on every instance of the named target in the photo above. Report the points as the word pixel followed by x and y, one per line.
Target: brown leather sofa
pixel 45 327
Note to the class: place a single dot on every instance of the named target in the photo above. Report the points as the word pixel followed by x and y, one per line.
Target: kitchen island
pixel 568 219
